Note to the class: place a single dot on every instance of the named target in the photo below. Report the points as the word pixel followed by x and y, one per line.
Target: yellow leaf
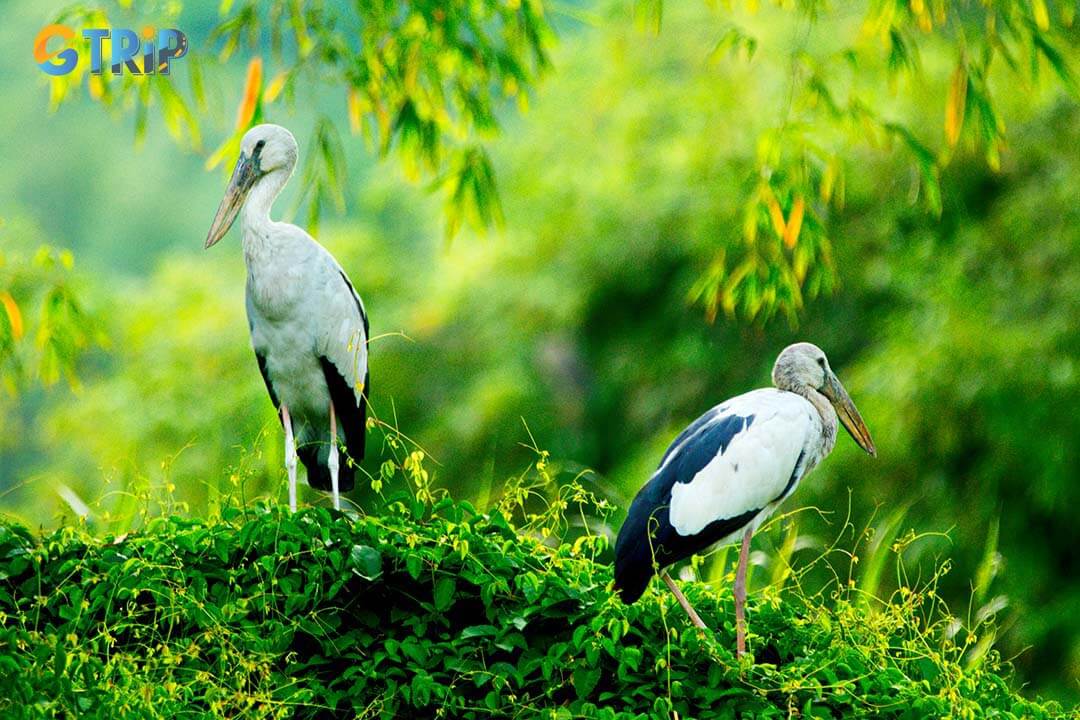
pixel 827 181
pixel 353 104
pixel 801 264
pixel 412 69
pixel 1042 17
pixel 275 87
pixel 252 88
pixel 775 213
pixel 794 223
pixel 229 148
pixel 954 105
pixel 383 118
pixel 750 223
pixel 993 155
pixel 13 314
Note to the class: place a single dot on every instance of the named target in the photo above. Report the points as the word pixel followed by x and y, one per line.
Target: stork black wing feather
pixel 363 415
pixel 359 441
pixel 359 305
pixel 647 535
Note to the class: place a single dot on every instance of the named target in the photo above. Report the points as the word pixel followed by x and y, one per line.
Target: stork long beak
pixel 848 414
pixel 244 176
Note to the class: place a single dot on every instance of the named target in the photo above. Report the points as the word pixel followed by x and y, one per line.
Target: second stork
pixel 730 469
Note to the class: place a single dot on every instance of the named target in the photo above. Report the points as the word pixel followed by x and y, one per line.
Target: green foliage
pixel 44 328
pixel 436 610
pixel 424 80
pixel 834 104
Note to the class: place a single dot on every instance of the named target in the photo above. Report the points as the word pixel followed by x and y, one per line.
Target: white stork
pixel 308 326
pixel 730 469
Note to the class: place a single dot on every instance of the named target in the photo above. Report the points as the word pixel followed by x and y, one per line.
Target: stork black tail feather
pixel 632 576
pixel 633 557
pixel 351 409
pixel 316 458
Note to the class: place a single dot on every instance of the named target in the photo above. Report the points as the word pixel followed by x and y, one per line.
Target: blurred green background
pixel 571 328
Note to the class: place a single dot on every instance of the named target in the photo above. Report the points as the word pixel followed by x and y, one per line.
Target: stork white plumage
pixel 308 326
pixel 730 469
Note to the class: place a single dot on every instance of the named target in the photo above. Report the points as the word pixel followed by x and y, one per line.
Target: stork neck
pixel 824 408
pixel 255 215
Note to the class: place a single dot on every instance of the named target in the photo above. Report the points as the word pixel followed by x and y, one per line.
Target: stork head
pixel 264 150
pixel 804 366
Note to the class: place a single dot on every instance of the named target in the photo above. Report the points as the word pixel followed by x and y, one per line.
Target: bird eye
pixel 821 362
pixel 260 145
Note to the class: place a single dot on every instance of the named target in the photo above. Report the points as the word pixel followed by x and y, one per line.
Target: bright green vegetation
pixel 435 610
pixel 937 262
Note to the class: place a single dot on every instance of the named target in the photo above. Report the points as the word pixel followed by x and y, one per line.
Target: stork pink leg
pixel 740 594
pixel 694 617
pixel 290 456
pixel 332 462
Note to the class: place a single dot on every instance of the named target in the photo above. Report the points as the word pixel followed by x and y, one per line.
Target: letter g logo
pixel 65 60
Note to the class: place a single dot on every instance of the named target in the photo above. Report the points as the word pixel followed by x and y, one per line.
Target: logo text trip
pixel 154 49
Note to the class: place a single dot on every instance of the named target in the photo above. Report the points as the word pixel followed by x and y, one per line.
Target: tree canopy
pixel 427 81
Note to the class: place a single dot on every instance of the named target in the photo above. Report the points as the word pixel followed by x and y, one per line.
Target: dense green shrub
pixel 436 610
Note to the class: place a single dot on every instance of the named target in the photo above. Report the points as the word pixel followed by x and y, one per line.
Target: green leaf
pixel 365 561
pixel 414 565
pixel 444 593
pixel 479 631
pixel 584 680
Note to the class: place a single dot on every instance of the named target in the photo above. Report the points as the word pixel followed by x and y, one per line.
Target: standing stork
pixel 730 469
pixel 308 326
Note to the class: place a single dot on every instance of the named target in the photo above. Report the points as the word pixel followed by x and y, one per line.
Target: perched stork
pixel 308 326
pixel 730 469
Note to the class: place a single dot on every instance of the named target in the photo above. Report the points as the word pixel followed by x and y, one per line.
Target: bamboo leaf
pixel 355 111
pixel 955 104
pixel 794 223
pixel 828 181
pixel 273 90
pixel 245 113
pixel 226 151
pixel 13 314
pixel 776 215
pixel 1041 15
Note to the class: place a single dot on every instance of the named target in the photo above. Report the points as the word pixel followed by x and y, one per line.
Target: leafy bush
pixel 433 609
